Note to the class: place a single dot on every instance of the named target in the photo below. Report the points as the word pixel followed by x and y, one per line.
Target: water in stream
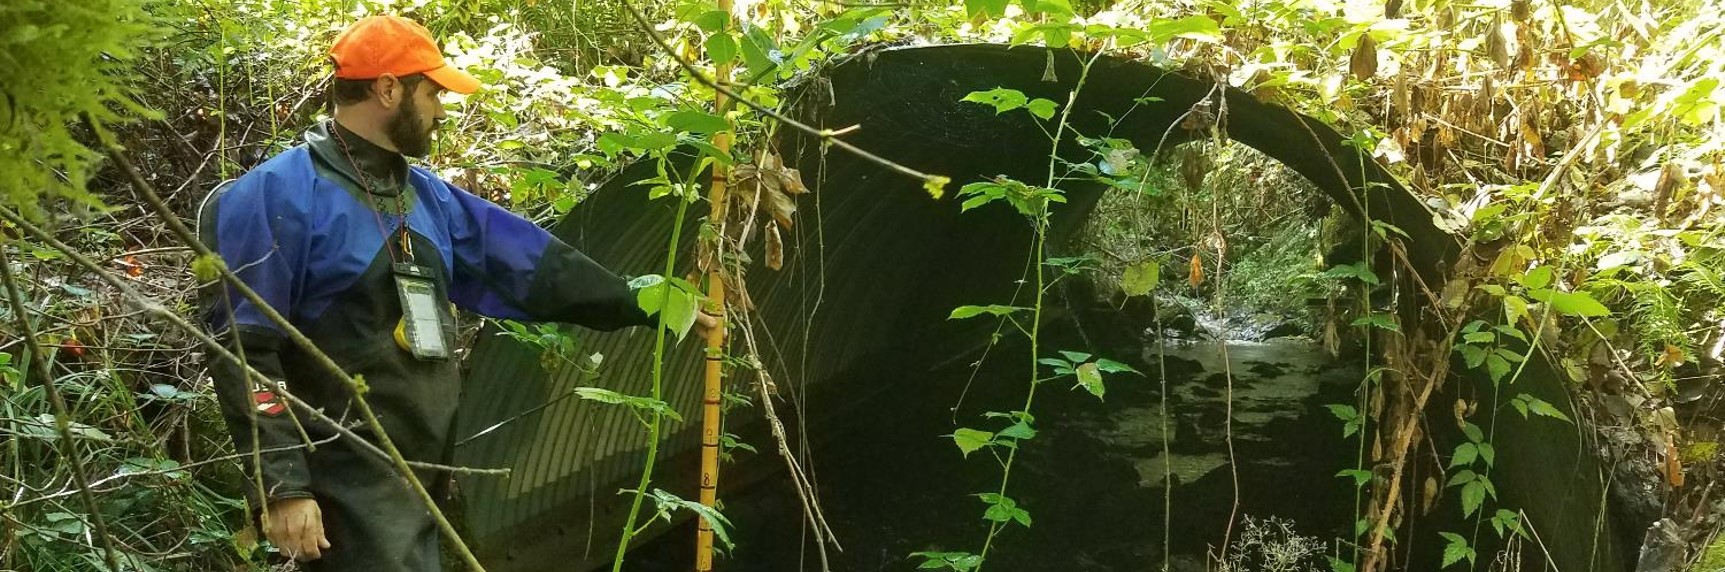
pixel 1093 478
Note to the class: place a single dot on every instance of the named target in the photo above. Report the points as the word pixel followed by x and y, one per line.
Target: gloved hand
pixel 295 527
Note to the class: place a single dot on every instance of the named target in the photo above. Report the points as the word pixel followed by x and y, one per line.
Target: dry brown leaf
pixel 1671 178
pixel 1673 467
pixel 780 206
pixel 1403 100
pixel 1715 178
pixel 1497 43
pixel 1364 63
pixel 1671 356
pixel 1428 497
pixel 775 248
pixel 1196 275
pixel 1376 408
pixel 1524 49
pixel 1589 66
pixel 792 181
pixel 1194 166
pixel 1531 141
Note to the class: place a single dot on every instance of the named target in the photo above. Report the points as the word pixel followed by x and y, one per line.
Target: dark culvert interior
pixel 873 373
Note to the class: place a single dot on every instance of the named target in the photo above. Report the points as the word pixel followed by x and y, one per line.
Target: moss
pixel 1700 452
pixel 1713 560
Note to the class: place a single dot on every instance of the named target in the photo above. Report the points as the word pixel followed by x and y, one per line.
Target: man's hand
pixel 295 527
pixel 705 323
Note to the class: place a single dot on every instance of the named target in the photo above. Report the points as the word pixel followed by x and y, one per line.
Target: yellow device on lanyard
pixel 422 331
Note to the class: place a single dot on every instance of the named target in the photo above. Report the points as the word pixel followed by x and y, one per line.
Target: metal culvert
pixel 872 271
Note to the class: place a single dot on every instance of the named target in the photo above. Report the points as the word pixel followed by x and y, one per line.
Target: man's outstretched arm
pixel 508 267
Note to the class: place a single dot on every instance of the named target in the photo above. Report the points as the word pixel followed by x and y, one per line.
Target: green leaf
pixel 1571 303
pixel 1111 366
pixel 696 122
pixel 1514 309
pixel 1536 279
pixel 1379 320
pixel 681 307
pixel 1360 476
pixel 1480 337
pixel 1001 98
pixel 935 185
pixel 1511 331
pixel 1456 550
pixel 1041 108
pixel 988 8
pixel 1496 367
pixel 667 502
pixel 1060 366
pixel 1462 477
pixel 1472 495
pixel 1141 278
pixel 1471 356
pixel 757 49
pixel 958 561
pixel 1090 376
pixel 1509 520
pixel 1053 7
pixel 1200 28
pixel 1339 565
pixel 1343 412
pixel 645 404
pixel 1540 407
pixel 963 312
pixel 1472 432
pixel 1488 453
pixel 969 440
pixel 1358 271
pixel 710 21
pixel 681 312
pixel 1465 455
pixel 1019 430
pixel 1076 357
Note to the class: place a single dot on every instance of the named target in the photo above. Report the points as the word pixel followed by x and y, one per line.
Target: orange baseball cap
pixel 376 45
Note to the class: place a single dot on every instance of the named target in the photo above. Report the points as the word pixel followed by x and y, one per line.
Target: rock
pixel 1662 550
pixel 1285 329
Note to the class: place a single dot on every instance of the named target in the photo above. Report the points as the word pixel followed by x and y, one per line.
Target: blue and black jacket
pixel 306 233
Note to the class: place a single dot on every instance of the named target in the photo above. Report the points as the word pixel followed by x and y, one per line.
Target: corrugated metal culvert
pixel 873 268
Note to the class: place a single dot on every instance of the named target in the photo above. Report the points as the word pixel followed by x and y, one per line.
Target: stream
pixel 1093 478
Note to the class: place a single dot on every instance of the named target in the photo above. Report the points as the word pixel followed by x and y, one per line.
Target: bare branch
pixel 62 416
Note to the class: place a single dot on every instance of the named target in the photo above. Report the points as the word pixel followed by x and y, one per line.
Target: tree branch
pixel 936 184
pixel 62 415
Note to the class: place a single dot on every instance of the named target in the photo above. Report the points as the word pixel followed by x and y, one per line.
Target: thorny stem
pixel 658 389
pixel 1038 252
pixel 62 415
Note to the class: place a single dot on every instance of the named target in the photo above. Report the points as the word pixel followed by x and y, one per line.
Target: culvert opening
pixel 861 318
pixel 1115 482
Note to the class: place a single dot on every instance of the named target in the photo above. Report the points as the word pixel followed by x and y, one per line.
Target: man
pixel 365 254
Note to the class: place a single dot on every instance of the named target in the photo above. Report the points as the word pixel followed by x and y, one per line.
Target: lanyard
pixel 377 202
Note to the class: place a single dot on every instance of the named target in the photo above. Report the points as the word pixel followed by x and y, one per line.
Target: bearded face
pixel 410 129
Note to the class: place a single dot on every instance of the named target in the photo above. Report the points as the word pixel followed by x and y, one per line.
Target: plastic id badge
pixel 424 329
